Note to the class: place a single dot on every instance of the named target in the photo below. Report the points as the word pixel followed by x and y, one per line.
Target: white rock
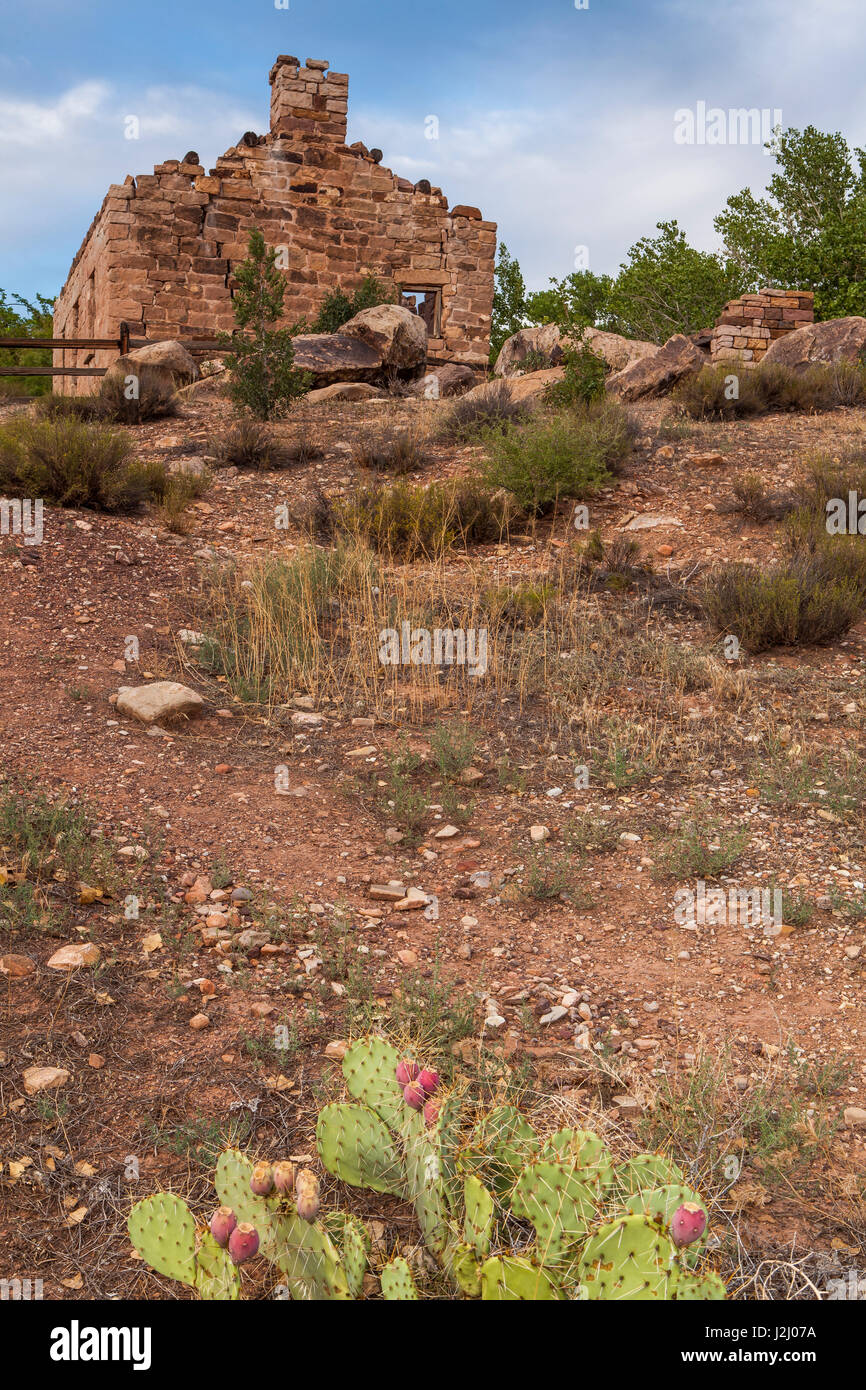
pixel 538 834
pixel 161 700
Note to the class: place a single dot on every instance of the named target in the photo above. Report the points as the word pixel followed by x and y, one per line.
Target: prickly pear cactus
pixel 694 1288
pixel 479 1210
pixel 465 1269
pixel 585 1151
pixel 646 1171
pixel 308 1260
pixel 560 1205
pixel 354 1144
pixel 370 1073
pixel 398 1286
pixel 162 1229
pixel 502 1143
pixel 216 1275
pixel 424 1184
pixel 629 1259
pixel 356 1252
pixel 517 1280
pixel 659 1205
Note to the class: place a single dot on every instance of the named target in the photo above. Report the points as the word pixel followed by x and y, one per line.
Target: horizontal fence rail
pixel 122 344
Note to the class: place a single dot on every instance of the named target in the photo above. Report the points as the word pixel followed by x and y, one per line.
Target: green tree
pixel 36 321
pixel 337 308
pixel 809 231
pixel 509 301
pixel 261 357
pixel 668 287
pixel 580 300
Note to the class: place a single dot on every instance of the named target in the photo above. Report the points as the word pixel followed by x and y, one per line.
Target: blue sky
pixel 557 122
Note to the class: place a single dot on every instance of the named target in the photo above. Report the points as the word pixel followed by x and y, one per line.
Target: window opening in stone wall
pixel 426 303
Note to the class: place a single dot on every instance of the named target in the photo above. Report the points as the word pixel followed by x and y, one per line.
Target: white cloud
pixel 59 157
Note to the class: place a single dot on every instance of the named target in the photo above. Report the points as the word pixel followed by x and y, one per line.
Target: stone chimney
pixel 308 103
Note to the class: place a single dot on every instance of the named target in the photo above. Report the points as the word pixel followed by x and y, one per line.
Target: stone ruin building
pixel 747 326
pixel 160 251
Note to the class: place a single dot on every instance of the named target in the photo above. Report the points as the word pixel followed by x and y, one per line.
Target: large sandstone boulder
pixel 161 700
pixel 527 389
pixel 336 357
pixel 837 340
pixel 451 379
pixel 548 341
pixel 167 364
pixel 399 336
pixel 653 376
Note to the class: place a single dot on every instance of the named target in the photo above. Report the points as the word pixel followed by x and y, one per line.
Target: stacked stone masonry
pixel 747 326
pixel 161 250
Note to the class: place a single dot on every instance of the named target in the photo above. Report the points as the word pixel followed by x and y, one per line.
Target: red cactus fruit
pixel 414 1095
pixel 429 1082
pixel 262 1180
pixel 307 1195
pixel 284 1177
pixel 431 1113
pixel 222 1223
pixel 243 1243
pixel 688 1223
pixel 406 1072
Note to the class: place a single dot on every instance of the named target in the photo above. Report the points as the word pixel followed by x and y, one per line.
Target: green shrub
pixel 337 307
pixel 472 415
pixel 409 522
pixel 585 375
pixel 709 393
pixel 807 598
pixel 71 463
pixel 571 454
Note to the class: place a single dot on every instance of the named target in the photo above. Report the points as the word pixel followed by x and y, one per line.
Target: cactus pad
pixel 162 1230
pixel 308 1259
pixel 477 1215
pixel 629 1259
pixel 647 1171
pixel 397 1282
pixel 694 1288
pixel 586 1151
pixel 466 1270
pixel 356 1249
pixel 559 1204
pixel 513 1280
pixel 355 1145
pixel 369 1069
pixel 216 1275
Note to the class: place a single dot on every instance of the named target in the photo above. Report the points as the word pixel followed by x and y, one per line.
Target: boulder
pixel 451 379
pixel 529 387
pixel 547 340
pixel 167 364
pixel 836 340
pixel 346 391
pixel 161 700
pixel 334 358
pixel 653 376
pixel 400 337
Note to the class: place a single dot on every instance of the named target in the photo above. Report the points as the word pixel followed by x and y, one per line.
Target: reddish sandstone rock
pixel 656 374
pixel 836 340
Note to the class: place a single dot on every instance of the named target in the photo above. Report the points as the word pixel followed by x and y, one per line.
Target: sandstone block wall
pixel 161 250
pixel 746 326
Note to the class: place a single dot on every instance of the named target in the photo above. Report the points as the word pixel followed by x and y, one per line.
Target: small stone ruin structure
pixel 747 326
pixel 161 250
